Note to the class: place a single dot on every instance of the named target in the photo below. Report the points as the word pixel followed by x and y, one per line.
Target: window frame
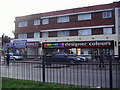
pixel 36 34
pixel 63 33
pixel 107 31
pixel 36 22
pixel 63 19
pixel 45 21
pixel 81 32
pixel 82 17
pixel 22 24
pixel 106 14
pixel 44 34
pixel 22 36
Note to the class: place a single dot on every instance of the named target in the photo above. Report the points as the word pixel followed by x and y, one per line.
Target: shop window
pixel 45 21
pixel 82 52
pixel 44 34
pixel 23 24
pixel 22 36
pixel 63 19
pixel 107 30
pixel 84 17
pixel 63 33
pixel 89 52
pixel 107 14
pixel 37 22
pixel 79 51
pixel 84 32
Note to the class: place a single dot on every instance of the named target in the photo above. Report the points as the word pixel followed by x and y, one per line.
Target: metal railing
pixel 85 74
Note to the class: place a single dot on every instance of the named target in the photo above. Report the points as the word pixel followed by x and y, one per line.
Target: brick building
pixel 84 31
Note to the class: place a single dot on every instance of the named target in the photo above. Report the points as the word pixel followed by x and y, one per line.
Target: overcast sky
pixel 9 9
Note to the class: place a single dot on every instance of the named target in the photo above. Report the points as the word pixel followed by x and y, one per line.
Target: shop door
pixel 105 51
pixel 95 53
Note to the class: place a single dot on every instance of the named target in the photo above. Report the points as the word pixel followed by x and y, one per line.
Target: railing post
pixel 110 72
pixel 118 73
pixel 43 68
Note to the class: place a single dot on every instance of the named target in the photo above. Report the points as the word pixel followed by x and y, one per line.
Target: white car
pixel 82 58
pixel 15 56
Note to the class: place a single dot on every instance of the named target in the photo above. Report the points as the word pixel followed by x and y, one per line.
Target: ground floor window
pixel 91 53
pixel 32 51
pixel 21 51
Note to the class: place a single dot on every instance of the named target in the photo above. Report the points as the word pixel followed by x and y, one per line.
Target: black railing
pixel 85 74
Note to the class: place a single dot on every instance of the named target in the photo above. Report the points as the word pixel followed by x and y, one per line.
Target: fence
pixel 85 74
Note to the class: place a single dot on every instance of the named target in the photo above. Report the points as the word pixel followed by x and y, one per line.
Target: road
pixel 83 74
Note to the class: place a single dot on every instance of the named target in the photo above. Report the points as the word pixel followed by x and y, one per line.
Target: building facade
pixel 0 46
pixel 84 31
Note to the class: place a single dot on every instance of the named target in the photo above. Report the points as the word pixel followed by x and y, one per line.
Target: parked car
pixel 82 58
pixel 61 57
pixel 14 56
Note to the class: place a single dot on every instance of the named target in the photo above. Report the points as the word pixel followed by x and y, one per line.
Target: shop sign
pixel 20 43
pixel 90 44
pixel 32 44
pixel 53 45
pixel 10 45
pixel 79 44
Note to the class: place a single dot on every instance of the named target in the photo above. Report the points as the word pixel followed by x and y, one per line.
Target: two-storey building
pixel 84 31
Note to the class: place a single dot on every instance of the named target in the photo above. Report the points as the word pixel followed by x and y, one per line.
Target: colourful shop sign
pixel 32 44
pixel 20 43
pixel 23 44
pixel 78 44
pixel 10 45
pixel 53 45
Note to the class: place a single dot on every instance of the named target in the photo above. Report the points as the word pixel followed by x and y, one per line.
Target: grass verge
pixel 15 83
pixel 8 83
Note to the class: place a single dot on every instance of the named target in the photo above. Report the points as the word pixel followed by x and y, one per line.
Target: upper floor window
pixel 44 34
pixel 84 32
pixel 63 19
pixel 37 35
pixel 30 35
pixel 45 21
pixel 63 33
pixel 22 36
pixel 23 24
pixel 107 30
pixel 107 14
pixel 119 12
pixel 37 22
pixel 119 30
pixel 84 17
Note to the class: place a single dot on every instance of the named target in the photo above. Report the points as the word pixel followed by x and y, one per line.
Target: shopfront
pixel 19 47
pixel 22 47
pixel 80 48
pixel 33 48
